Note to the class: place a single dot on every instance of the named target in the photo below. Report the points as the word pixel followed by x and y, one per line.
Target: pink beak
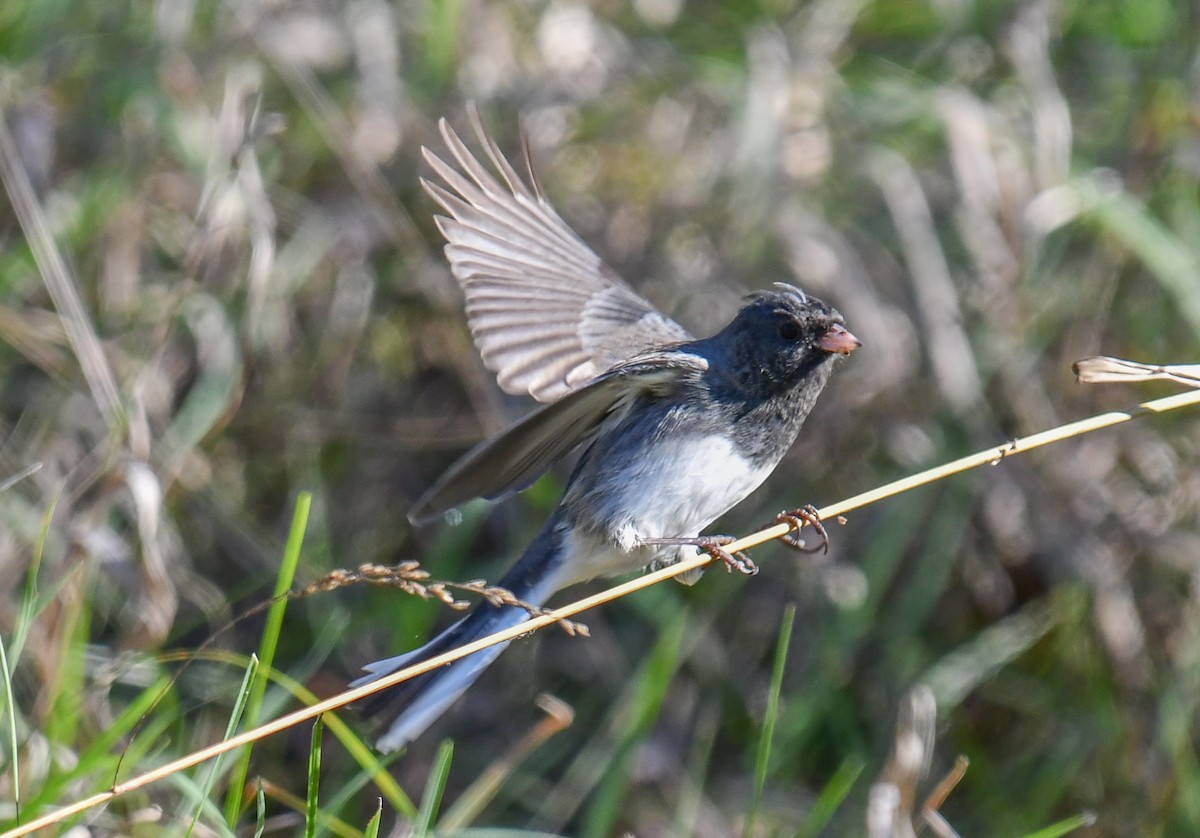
pixel 838 339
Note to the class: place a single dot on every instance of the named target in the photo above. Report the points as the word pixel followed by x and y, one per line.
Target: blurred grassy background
pixel 986 190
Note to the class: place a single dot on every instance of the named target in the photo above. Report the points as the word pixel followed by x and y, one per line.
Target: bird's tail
pixel 415 704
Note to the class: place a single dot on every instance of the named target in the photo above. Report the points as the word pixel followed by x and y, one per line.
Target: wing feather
pixel 512 460
pixel 546 313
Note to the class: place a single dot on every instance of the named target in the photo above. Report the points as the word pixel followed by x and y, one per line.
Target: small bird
pixel 674 431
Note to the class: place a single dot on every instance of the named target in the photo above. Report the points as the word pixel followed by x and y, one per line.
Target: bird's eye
pixel 789 330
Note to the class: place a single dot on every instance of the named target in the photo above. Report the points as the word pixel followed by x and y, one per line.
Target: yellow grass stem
pixel 989 456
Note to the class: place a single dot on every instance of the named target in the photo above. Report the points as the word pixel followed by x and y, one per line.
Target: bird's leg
pixel 714 545
pixel 797 518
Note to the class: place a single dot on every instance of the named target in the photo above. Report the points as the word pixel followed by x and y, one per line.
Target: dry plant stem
pixel 1102 368
pixel 989 456
pixel 411 578
pixel 59 282
pixel 408 576
pixel 946 785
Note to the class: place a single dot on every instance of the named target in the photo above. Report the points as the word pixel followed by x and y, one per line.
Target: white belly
pixel 685 489
pixel 680 492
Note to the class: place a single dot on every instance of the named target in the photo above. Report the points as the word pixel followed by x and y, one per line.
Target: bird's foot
pixel 797 519
pixel 714 545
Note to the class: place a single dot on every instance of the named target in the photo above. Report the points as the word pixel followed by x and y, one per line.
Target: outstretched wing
pixel 512 460
pixel 546 313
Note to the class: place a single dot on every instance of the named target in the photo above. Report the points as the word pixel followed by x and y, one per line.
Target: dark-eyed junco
pixel 674 431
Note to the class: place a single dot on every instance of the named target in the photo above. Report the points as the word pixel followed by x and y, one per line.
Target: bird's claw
pixel 714 545
pixel 797 519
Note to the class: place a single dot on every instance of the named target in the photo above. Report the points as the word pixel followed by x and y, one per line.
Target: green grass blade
pixel 650 690
pixel 763 755
pixel 1064 827
pixel 442 38
pixel 267 646
pixel 98 762
pixel 125 724
pixel 190 790
pixel 11 716
pixel 260 810
pixel 434 787
pixel 831 797
pixel 67 683
pixel 239 708
pixel 376 770
pixel 372 830
pixel 29 598
pixel 314 778
pixel 24 622
pixel 373 771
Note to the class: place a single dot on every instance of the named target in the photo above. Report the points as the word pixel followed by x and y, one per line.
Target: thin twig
pixel 989 456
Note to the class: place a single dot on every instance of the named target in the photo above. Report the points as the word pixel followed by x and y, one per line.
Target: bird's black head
pixel 781 336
